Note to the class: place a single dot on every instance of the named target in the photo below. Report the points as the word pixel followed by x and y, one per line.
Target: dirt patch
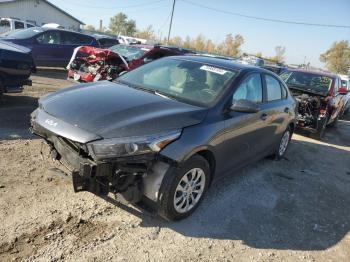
pixel 27 245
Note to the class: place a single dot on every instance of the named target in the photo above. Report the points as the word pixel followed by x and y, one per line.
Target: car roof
pixel 313 72
pixel 215 61
pixel 43 29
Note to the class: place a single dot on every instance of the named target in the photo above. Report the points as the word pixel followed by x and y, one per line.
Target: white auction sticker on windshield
pixel 213 69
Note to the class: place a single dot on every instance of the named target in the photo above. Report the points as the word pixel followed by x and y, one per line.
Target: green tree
pixel 280 54
pixel 187 42
pixel 337 58
pixel 210 46
pixel 199 43
pixel 90 28
pixel 147 33
pixel 231 45
pixel 120 24
pixel 176 41
pixel 259 54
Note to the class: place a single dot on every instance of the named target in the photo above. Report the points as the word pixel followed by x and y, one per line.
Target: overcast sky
pixel 302 42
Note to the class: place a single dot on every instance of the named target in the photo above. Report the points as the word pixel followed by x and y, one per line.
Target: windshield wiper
pixel 161 95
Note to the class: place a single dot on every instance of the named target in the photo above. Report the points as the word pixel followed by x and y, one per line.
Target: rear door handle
pixel 286 110
pixel 263 117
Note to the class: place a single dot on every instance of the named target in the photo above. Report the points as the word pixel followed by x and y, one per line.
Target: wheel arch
pixel 209 155
pixel 291 125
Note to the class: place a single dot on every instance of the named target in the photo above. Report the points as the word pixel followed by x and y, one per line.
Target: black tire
pixel 320 132
pixel 2 89
pixel 166 205
pixel 334 123
pixel 278 155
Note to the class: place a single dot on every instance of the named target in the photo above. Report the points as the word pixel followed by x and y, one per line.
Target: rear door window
pixel 50 38
pixel 76 39
pixel 19 25
pixel 5 23
pixel 107 42
pixel 273 88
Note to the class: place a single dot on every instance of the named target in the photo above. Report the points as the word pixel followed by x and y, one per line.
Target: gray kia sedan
pixel 163 132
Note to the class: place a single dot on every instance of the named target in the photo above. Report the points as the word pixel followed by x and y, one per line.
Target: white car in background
pixel 127 40
pixel 8 24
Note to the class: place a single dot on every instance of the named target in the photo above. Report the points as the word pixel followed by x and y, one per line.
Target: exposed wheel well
pixel 292 127
pixel 209 156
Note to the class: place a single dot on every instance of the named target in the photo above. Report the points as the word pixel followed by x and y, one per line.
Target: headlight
pixel 128 146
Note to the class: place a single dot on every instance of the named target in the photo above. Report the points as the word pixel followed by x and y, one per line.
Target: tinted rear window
pixel 108 42
pixel 19 25
pixel 76 39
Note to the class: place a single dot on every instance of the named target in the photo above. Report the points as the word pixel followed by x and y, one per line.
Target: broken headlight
pixel 129 146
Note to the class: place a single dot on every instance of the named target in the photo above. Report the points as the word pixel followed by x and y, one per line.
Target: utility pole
pixel 171 21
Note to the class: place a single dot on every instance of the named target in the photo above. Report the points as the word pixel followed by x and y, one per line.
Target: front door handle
pixel 286 110
pixel 263 117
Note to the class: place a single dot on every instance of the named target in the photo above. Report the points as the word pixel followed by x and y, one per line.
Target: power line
pixel 264 18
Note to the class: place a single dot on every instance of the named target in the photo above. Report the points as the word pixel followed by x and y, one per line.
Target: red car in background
pixel 90 64
pixel 319 96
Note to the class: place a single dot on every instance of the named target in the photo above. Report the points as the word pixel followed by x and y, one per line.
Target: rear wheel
pixel 182 190
pixel 283 144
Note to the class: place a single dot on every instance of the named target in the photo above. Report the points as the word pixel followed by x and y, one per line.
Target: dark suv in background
pixel 53 47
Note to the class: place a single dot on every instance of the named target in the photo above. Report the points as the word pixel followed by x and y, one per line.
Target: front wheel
pixel 182 190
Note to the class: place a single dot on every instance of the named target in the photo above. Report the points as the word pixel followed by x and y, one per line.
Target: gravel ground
pixel 296 209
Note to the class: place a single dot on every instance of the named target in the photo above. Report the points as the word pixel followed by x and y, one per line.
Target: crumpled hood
pixel 113 110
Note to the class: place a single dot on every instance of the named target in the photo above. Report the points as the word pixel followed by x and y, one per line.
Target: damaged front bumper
pixel 133 177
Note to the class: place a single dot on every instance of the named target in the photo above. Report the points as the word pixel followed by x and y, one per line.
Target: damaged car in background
pixel 319 96
pixel 90 64
pixel 164 131
pixel 16 66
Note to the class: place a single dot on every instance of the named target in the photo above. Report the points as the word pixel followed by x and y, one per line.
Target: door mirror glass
pixel 244 106
pixel 147 60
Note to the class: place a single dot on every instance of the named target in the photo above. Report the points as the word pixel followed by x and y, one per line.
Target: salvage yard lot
pixel 291 210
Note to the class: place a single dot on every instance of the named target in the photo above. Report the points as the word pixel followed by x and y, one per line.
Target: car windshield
pixel 25 33
pixel 307 81
pixel 129 52
pixel 186 81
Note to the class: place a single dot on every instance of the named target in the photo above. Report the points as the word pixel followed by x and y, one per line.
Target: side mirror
pixel 147 60
pixel 244 106
pixel 342 91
